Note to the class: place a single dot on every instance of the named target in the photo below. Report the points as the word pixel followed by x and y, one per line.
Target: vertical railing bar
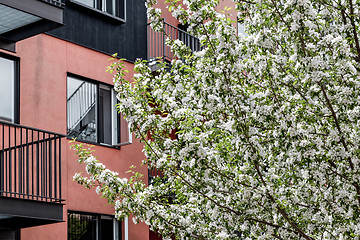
pixel 60 150
pixel 21 162
pixel 9 163
pixel 150 49
pixel 15 175
pixel 55 168
pixel 50 168
pixel 2 168
pixel 161 49
pixel 41 144
pixel 156 42
pixel 150 42
pixel 166 50
pixel 5 174
pixel 174 34
pixel 2 174
pixel 68 122
pixel 38 166
pixel 32 163
pixel 27 163
pixel 168 31
pixel 45 166
pixel 80 105
pixel 163 36
pixel 153 43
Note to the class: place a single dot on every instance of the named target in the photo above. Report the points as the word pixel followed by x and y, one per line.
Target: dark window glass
pixel 105 112
pixel 107 228
pixel 82 226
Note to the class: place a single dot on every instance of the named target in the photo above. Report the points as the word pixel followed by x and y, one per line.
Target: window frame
pixel 101 12
pixel 16 99
pixel 117 232
pixel 113 115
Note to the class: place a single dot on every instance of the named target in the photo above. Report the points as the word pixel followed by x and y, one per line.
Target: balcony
pixel 21 19
pixel 157 48
pixel 153 173
pixel 30 176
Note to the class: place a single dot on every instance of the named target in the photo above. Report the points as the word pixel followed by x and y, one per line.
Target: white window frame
pixel 102 8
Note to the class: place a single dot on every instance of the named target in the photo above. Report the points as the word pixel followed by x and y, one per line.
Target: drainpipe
pixel 126 230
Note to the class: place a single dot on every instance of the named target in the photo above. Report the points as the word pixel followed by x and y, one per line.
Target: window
pixel 241 28
pixel 92 115
pixel 112 7
pixel 93 227
pixel 8 88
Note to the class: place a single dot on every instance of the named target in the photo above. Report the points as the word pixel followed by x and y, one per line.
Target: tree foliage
pixel 267 126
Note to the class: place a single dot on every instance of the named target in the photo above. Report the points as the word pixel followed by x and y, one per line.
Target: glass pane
pixel 7 81
pixel 107 229
pixel 105 115
pixel 241 29
pixel 114 7
pixel 82 226
pixel 110 6
pixel 81 110
pixel 118 232
pixel 90 3
pixel 115 119
pixel 124 130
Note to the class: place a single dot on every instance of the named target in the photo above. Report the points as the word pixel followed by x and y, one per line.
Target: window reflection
pixel 7 89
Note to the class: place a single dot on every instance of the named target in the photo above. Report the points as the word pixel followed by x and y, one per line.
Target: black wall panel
pixel 92 29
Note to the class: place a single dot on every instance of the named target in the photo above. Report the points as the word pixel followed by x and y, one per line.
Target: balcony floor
pixel 21 213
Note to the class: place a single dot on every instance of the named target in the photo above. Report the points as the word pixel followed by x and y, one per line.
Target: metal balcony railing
pixel 58 3
pixel 30 163
pixel 153 173
pixel 156 42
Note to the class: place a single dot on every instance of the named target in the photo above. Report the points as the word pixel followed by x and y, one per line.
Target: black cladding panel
pixel 101 32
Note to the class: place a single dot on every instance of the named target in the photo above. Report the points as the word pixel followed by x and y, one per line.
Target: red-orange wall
pixel 44 64
pixel 222 4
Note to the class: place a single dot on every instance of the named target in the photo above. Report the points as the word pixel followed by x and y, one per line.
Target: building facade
pixel 54 87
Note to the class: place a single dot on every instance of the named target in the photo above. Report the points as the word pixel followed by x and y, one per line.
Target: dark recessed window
pixel 112 7
pixel 93 227
pixel 92 115
pixel 8 89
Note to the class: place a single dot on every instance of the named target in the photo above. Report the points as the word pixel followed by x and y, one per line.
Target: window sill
pixel 115 146
pixel 102 14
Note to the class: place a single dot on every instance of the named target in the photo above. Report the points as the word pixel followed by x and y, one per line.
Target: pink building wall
pixel 45 62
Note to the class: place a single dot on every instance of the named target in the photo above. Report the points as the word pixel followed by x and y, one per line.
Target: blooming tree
pixel 256 137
